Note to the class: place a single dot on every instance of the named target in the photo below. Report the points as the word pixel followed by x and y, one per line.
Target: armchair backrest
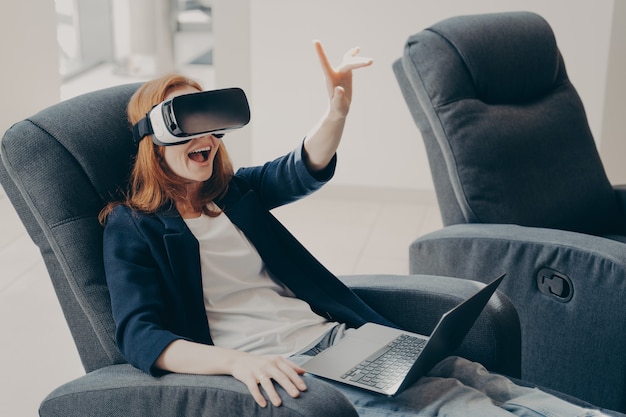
pixel 505 131
pixel 59 168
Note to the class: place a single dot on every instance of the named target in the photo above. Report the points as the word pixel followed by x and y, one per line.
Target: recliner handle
pixel 555 285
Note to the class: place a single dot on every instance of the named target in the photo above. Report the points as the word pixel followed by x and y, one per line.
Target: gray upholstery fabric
pixel 512 156
pixel 574 347
pixel 509 109
pixel 87 147
pixel 88 151
pixel 123 391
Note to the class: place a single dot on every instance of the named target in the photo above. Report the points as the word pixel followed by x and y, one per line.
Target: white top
pixel 247 309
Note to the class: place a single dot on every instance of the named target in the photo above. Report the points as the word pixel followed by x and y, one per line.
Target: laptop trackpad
pixel 341 358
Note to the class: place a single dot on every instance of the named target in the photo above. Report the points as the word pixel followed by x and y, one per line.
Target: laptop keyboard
pixel 388 366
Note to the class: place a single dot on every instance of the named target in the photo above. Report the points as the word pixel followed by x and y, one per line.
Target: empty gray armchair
pixel 522 189
pixel 88 150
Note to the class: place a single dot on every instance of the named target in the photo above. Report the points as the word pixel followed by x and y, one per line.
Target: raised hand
pixel 339 79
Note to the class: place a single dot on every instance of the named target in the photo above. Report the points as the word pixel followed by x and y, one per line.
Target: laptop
pixel 387 360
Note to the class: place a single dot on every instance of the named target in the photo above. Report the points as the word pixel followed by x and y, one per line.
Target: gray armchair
pixel 522 189
pixel 62 165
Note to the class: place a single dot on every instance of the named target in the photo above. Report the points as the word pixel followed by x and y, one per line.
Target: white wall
pixel 266 47
pixel 613 144
pixel 381 146
pixel 232 50
pixel 30 75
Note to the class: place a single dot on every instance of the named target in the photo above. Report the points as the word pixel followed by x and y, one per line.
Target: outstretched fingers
pixel 351 60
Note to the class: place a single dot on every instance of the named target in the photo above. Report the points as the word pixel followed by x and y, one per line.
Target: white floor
pixel 351 230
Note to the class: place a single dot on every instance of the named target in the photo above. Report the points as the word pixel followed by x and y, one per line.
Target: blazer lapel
pixel 181 246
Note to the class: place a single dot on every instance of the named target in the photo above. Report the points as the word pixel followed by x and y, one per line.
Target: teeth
pixel 200 155
pixel 201 150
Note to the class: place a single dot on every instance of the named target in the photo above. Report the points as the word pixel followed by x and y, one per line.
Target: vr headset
pixel 182 118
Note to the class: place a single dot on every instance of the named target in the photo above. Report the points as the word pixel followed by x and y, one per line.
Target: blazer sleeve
pixel 136 291
pixel 285 179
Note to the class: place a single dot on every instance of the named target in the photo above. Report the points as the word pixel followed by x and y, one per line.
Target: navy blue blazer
pixel 152 262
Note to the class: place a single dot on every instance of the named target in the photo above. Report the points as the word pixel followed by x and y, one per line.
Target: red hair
pixel 152 184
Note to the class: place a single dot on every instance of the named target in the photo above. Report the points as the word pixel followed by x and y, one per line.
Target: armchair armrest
pixel 417 302
pixel 568 333
pixel 124 391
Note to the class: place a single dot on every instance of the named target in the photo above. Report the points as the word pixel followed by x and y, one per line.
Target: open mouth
pixel 200 155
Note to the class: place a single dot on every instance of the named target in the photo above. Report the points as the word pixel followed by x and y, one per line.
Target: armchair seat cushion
pixel 124 391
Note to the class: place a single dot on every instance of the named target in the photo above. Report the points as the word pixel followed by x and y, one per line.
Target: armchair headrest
pixel 521 63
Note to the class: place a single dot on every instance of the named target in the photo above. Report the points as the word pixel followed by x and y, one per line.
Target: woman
pixel 204 280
